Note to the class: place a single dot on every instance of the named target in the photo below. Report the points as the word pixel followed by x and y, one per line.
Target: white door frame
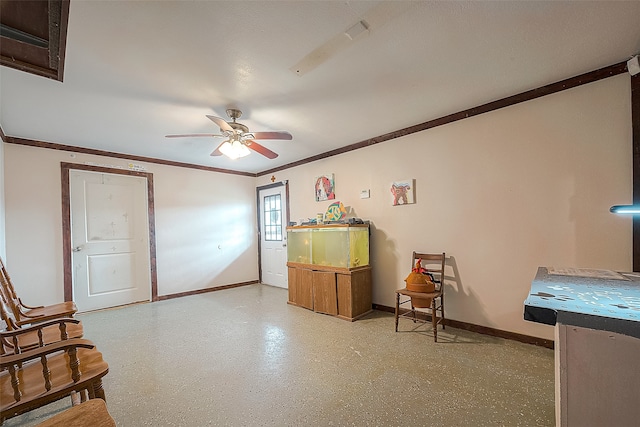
pixel 66 223
pixel 286 218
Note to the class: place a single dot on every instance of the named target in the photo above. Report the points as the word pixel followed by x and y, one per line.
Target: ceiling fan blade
pixel 283 134
pixel 260 149
pixel 222 123
pixel 217 151
pixel 191 135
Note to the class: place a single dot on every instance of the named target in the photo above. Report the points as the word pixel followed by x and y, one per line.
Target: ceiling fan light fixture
pixel 234 149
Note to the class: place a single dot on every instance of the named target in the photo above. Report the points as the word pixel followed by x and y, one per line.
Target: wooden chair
pixel 90 413
pixel 434 265
pixel 45 374
pixel 16 339
pixel 24 314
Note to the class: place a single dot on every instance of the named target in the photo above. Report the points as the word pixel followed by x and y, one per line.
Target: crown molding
pixel 92 151
pixel 559 86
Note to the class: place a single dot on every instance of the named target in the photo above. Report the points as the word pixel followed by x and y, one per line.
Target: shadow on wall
pixel 460 304
pixel 384 265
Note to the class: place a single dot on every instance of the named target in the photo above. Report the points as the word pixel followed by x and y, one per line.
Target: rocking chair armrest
pixel 29 316
pixel 31 319
pixel 35 326
pixel 7 360
pixel 28 307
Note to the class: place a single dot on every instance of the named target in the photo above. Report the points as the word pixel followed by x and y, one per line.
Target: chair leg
pixel 442 309
pixel 413 311
pixel 434 319
pixel 76 398
pixel 98 391
pixel 397 309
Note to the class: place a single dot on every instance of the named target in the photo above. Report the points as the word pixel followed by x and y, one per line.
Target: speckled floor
pixel 243 357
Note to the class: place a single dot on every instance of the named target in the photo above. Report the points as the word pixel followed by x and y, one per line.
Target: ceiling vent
pixel 633 66
pixel 33 36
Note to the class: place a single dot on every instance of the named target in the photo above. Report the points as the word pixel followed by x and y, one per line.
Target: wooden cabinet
pixel 329 269
pixel 342 293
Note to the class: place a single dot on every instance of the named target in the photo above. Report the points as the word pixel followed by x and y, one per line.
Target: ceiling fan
pixel 239 140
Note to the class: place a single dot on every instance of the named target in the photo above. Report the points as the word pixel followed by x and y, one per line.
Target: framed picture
pixel 403 192
pixel 324 188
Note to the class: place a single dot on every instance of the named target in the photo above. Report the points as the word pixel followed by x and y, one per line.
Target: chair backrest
pixel 6 280
pixel 434 264
pixel 7 319
pixel 7 294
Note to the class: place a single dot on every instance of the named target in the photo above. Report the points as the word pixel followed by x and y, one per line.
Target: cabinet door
pixel 345 302
pixel 361 292
pixel 325 297
pixel 354 293
pixel 293 285
pixel 304 290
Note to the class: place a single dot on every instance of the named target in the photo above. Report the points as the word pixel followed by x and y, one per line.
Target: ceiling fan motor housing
pixel 234 114
pixel 239 126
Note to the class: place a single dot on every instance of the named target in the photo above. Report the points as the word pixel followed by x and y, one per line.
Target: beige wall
pixel 3 252
pixel 205 224
pixel 501 193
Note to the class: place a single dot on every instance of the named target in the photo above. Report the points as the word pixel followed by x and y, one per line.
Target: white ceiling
pixel 138 70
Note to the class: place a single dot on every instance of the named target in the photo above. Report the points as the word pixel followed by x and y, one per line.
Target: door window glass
pixel 272 218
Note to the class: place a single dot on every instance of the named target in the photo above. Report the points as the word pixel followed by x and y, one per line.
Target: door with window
pixel 273 235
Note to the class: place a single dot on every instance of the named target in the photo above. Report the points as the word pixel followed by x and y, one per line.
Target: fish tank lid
pixel 298 227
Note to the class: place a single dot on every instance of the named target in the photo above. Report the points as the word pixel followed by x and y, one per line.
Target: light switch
pixel 364 194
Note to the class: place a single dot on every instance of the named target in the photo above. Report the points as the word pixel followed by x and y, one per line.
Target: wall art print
pixel 403 192
pixel 324 187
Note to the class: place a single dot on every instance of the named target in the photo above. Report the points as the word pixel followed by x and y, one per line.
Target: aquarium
pixel 299 245
pixel 341 246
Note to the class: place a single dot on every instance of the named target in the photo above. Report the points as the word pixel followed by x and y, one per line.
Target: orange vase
pixel 417 282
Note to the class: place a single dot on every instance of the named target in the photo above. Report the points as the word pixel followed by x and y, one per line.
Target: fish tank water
pixel 299 245
pixel 340 246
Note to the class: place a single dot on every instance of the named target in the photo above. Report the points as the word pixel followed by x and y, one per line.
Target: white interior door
pixel 110 239
pixel 273 236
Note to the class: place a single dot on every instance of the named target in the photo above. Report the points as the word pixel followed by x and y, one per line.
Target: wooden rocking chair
pixel 16 339
pixel 24 314
pixel 45 374
pixel 90 413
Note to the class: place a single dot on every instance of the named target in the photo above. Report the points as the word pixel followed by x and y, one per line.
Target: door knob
pixel 77 249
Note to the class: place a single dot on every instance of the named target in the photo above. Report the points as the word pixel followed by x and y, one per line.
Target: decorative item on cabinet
pixel 329 269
